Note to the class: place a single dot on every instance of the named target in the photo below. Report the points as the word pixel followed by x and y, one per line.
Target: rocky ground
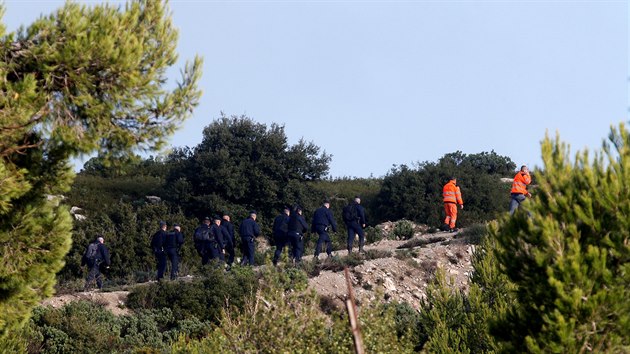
pixel 394 273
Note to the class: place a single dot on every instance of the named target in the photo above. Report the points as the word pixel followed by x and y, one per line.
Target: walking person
pixel 157 245
pixel 280 229
pixel 248 231
pixel 295 232
pixel 519 192
pixel 215 245
pixel 228 233
pixel 172 245
pixel 200 237
pixel 323 220
pixel 96 254
pixel 353 216
pixel 452 197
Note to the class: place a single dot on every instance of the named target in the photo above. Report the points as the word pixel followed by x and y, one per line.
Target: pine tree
pixel 568 254
pixel 85 79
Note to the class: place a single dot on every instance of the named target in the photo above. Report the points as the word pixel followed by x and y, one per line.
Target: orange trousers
pixel 451 214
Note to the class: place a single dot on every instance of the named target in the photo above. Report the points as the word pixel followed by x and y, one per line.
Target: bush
pixel 202 298
pixel 566 250
pixel 473 234
pixel 403 230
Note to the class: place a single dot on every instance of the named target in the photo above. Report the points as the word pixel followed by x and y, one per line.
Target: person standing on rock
pixel 248 231
pixel 172 244
pixel 280 229
pixel 296 228
pixel 323 220
pixel 519 192
pixel 157 246
pixel 452 197
pixel 353 216
pixel 228 236
pixel 95 255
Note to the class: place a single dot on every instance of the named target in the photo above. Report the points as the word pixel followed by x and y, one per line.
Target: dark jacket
pixel 280 225
pixel 324 217
pixel 229 228
pixel 297 224
pixel 158 240
pixel 216 236
pixel 360 214
pixel 249 228
pixel 102 256
pixel 174 239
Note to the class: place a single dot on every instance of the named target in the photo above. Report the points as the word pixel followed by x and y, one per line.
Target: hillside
pixel 390 268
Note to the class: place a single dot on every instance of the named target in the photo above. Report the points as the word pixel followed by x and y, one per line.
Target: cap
pixel 216 217
pixel 326 201
pixel 206 218
pixel 286 207
pixel 357 197
pixel 162 223
pixel 176 225
pixel 252 212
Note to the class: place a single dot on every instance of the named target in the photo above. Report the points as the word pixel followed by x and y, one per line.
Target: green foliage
pixel 568 254
pixel 243 163
pixel 202 298
pixel 403 229
pixel 85 327
pixel 473 234
pixel 84 79
pixel 276 320
pixel 416 193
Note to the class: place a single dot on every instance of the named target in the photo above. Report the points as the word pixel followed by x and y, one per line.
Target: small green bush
pixel 474 234
pixel 403 230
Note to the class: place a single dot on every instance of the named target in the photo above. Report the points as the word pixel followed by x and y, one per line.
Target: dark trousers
pixel 248 250
pixel 297 245
pixel 281 241
pixel 160 260
pixel 229 249
pixel 174 258
pixel 94 274
pixel 323 238
pixel 353 229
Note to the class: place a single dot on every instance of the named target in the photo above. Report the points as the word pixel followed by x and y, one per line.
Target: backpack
pixel 92 251
pixel 349 213
pixel 202 234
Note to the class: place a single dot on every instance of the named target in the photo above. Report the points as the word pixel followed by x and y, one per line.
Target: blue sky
pixel 379 83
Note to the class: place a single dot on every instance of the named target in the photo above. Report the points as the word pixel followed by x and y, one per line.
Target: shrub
pixel 202 298
pixel 403 230
pixel 473 234
pixel 566 250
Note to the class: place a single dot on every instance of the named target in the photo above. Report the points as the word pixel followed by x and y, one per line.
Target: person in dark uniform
pixel 296 228
pixel 280 228
pixel 228 233
pixel 215 245
pixel 172 245
pixel 157 245
pixel 200 236
pixel 323 220
pixel 248 230
pixel 354 218
pixel 94 257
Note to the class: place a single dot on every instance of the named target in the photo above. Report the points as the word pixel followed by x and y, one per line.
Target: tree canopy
pixel 84 79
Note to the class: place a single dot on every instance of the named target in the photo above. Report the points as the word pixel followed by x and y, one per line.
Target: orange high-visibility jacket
pixel 521 180
pixel 451 193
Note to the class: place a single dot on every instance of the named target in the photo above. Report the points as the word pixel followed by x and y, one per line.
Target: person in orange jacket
pixel 452 197
pixel 519 188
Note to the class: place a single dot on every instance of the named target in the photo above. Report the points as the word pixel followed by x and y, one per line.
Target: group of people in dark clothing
pixel 214 238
